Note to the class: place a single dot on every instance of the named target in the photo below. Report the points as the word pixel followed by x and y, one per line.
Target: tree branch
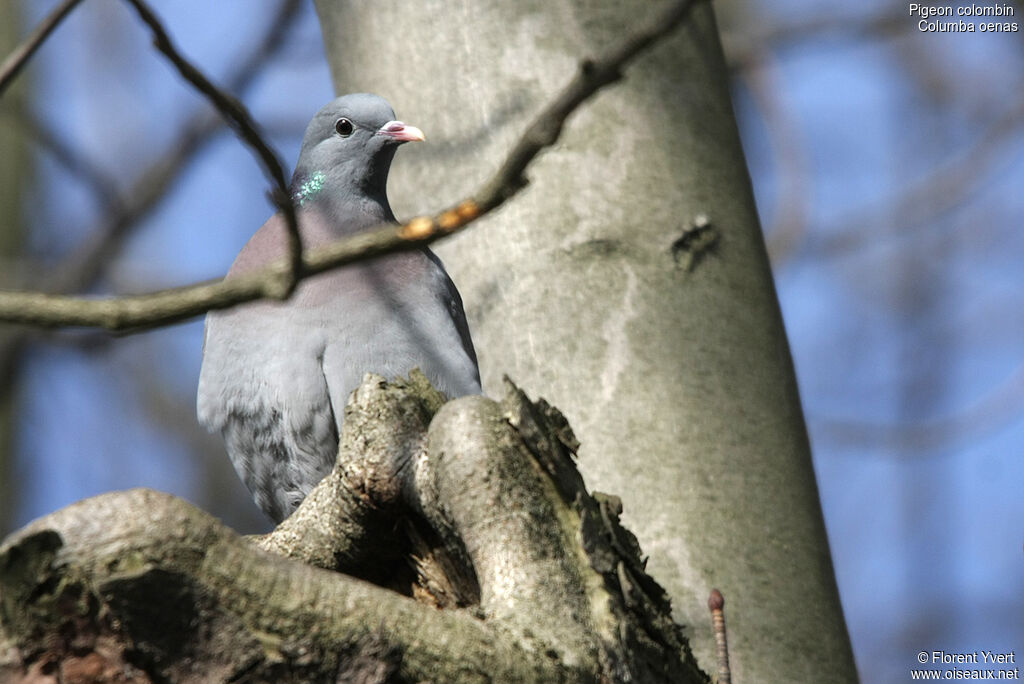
pixel 141 312
pixel 251 608
pixel 246 128
pixel 82 268
pixel 12 66
pixel 143 580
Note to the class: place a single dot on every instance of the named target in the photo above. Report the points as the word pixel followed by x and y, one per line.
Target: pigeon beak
pixel 401 132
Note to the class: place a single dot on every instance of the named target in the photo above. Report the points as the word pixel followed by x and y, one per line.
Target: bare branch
pixel 247 129
pixel 136 313
pixel 555 587
pixel 82 268
pixel 716 604
pixel 12 66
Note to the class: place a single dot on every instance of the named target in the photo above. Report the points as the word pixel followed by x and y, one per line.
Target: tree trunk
pixel 660 339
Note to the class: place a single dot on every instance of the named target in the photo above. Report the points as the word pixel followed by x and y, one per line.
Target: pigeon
pixel 276 376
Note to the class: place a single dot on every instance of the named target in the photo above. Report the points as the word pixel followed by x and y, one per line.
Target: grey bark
pixel 140 586
pixel 662 342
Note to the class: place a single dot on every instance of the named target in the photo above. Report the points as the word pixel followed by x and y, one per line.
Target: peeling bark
pixel 473 506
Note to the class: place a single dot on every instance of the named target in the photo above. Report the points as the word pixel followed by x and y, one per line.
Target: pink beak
pixel 401 132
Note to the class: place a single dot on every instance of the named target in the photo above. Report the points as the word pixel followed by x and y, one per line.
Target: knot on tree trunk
pixel 452 542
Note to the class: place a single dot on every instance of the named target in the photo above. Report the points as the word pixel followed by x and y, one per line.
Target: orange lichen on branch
pixel 468 210
pixel 453 219
pixel 417 228
pixel 447 221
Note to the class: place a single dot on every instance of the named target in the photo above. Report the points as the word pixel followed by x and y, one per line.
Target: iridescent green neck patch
pixel 310 188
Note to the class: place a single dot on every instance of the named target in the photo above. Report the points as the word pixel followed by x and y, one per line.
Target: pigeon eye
pixel 344 127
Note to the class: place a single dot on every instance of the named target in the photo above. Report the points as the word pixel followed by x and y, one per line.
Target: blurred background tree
pixel 887 165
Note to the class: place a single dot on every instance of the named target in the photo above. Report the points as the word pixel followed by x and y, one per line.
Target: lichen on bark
pixel 452 542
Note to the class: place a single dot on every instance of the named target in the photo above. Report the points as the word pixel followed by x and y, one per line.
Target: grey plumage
pixel 276 376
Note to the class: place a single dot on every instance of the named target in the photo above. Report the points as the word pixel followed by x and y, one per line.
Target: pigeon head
pixel 347 150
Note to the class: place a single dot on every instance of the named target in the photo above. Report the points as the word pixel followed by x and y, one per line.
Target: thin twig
pixel 123 212
pixel 83 268
pixel 716 604
pixel 247 129
pixel 12 66
pixel 140 312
